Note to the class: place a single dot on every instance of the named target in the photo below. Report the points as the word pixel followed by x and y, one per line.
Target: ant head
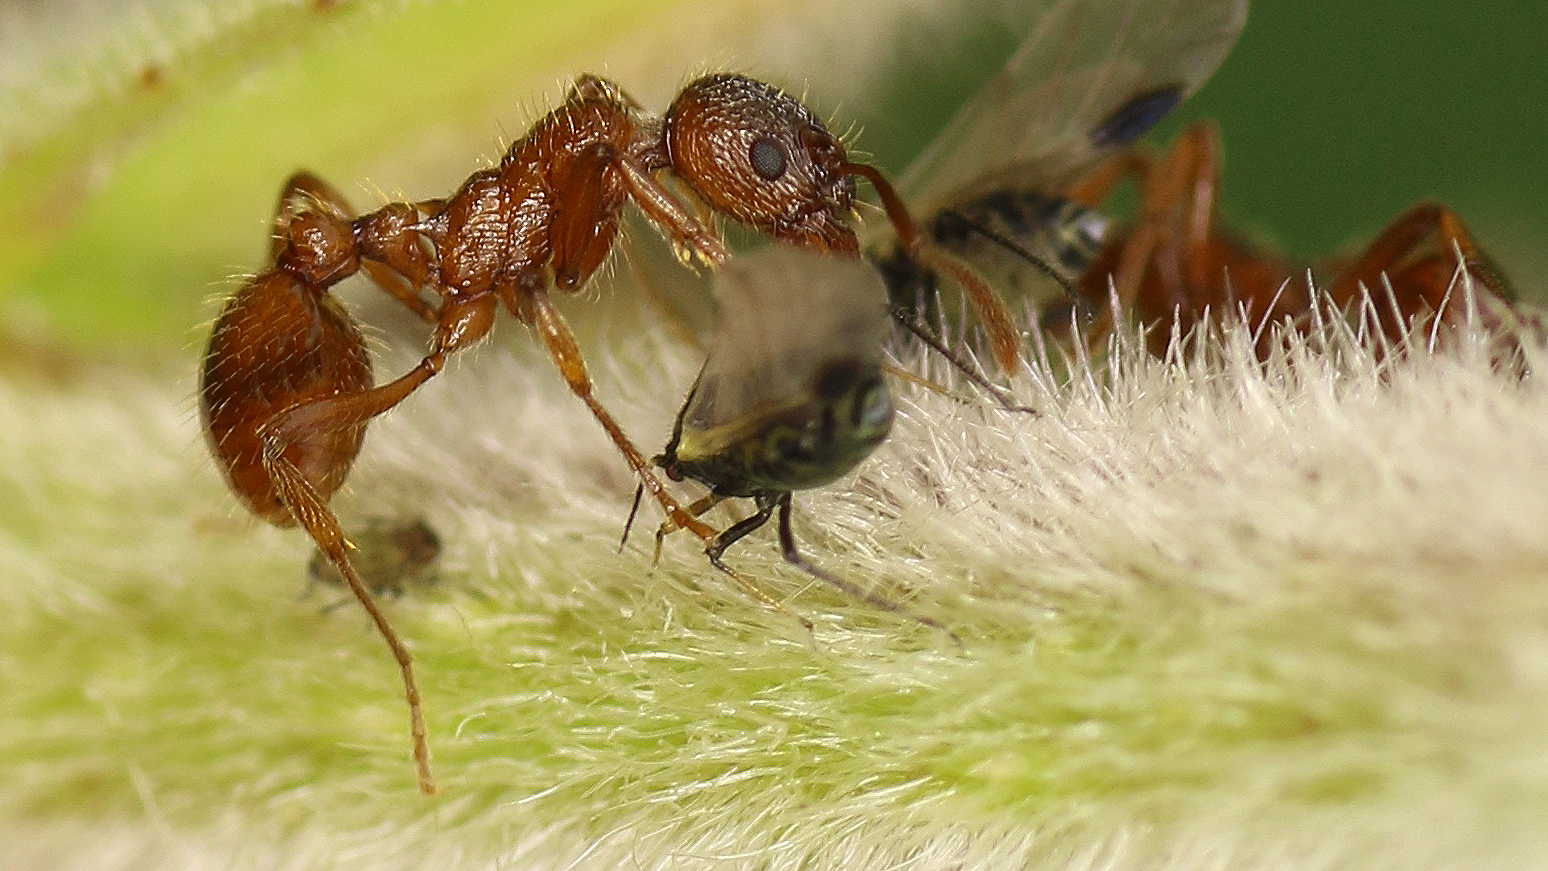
pixel 318 247
pixel 755 154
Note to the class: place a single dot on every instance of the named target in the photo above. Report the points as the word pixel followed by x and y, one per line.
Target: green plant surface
pixel 1212 614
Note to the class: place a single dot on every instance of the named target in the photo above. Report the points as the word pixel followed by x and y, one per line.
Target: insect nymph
pixel 790 397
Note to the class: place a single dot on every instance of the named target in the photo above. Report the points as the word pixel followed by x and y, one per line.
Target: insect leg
pixel 462 324
pixel 1004 340
pixel 667 527
pixel 1093 189
pixel 910 320
pixel 787 546
pixel 1416 288
pixel 536 309
pixel 734 533
pixel 688 235
pixel 312 512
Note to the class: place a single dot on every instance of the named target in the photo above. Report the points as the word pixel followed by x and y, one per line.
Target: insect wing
pixel 1092 78
pixel 783 313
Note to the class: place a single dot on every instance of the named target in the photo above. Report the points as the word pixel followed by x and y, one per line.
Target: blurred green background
pixel 1336 116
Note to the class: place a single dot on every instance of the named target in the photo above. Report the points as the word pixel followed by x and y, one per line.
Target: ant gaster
pixel 286 388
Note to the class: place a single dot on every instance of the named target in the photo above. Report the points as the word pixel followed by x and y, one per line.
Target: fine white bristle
pixel 1214 614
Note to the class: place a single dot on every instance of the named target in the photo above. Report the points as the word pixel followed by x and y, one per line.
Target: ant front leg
pixel 668 526
pixel 533 307
pixel 689 237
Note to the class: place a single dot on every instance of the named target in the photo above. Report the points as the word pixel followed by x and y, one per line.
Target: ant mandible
pixel 286 386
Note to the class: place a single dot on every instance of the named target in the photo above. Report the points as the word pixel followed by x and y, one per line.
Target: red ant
pixel 1175 264
pixel 286 388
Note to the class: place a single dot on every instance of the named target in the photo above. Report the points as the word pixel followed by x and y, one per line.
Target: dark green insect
pixel 791 395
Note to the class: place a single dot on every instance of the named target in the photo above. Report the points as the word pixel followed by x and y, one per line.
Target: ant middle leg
pixel 533 307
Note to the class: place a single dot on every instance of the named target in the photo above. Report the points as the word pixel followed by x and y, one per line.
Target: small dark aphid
pixel 790 397
pixel 391 555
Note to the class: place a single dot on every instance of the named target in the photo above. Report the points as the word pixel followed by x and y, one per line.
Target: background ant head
pixel 754 153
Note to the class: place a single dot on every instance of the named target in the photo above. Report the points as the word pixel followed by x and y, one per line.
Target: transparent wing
pixel 1090 79
pixel 782 314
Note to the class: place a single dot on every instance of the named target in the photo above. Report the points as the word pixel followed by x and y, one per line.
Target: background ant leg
pixel 1426 283
pixel 1093 189
pixel 787 546
pixel 733 533
pixel 1194 189
pixel 1177 206
pixel 535 308
pixel 1164 202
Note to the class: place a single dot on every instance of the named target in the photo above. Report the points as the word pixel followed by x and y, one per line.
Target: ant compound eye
pixel 768 158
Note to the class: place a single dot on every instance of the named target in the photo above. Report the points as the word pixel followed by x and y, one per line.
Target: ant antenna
pixel 912 322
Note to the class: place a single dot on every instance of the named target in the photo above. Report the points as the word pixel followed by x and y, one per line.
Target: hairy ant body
pixel 286 389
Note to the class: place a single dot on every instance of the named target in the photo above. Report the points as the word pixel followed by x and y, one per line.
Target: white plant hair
pixel 1215 613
